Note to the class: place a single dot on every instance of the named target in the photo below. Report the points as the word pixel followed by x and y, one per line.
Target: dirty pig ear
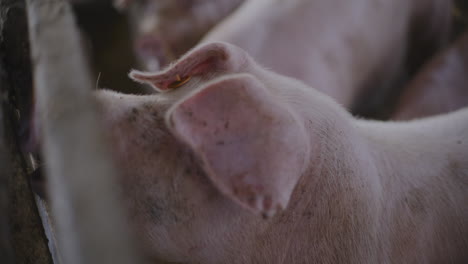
pixel 248 143
pixel 202 60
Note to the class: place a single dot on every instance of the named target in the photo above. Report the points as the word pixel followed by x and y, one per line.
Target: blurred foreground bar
pixel 82 179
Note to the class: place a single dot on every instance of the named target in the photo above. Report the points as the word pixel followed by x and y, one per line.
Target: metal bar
pixel 90 224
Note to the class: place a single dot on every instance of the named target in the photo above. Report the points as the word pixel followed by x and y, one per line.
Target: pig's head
pixel 165 29
pixel 206 163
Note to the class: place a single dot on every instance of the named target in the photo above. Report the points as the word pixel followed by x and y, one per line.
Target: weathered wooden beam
pixel 82 179
pixel 22 238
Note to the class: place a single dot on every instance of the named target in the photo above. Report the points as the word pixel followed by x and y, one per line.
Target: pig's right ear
pixel 249 143
pixel 202 60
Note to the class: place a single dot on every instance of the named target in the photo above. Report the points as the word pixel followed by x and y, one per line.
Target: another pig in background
pixel 377 42
pixel 440 87
pixel 230 142
pixel 166 29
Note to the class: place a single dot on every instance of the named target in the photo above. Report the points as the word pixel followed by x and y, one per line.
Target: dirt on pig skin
pixel 318 186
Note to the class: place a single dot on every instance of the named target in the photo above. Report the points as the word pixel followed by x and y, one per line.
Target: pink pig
pixel 166 29
pixel 372 43
pixel 233 163
pixel 442 85
pixel 376 41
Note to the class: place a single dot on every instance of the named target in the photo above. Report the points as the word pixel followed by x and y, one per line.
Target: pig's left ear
pixel 249 143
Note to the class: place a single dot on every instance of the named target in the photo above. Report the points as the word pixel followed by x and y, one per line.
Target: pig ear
pixel 202 60
pixel 249 144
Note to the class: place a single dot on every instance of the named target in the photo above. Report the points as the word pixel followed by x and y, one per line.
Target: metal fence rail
pixel 90 224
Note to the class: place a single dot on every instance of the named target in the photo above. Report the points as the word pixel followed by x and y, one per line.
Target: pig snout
pixel 150 50
pixel 178 24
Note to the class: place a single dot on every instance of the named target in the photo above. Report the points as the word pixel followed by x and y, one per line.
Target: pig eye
pixel 179 81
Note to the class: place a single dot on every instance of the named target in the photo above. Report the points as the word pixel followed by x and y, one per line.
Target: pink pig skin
pixel 243 165
pixel 441 86
pixel 348 50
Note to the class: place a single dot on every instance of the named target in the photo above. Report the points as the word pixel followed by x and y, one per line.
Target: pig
pixel 166 29
pixel 372 44
pixel 233 163
pixel 440 87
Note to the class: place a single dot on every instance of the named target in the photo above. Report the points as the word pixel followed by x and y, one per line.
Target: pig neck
pixel 332 211
pixel 423 174
pixel 367 186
